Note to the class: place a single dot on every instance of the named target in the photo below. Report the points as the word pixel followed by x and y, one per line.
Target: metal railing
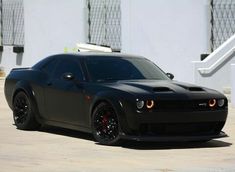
pixel 12 22
pixel 104 23
pixel 222 21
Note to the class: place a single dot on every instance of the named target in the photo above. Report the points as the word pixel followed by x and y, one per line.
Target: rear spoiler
pixel 17 69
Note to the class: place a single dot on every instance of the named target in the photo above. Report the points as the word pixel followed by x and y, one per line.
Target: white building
pixel 170 33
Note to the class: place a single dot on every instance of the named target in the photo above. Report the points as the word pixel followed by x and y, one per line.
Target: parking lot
pixel 57 150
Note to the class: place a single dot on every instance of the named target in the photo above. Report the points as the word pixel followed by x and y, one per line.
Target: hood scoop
pixel 162 89
pixel 193 89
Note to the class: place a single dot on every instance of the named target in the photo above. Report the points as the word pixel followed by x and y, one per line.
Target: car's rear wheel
pixel 105 125
pixel 23 112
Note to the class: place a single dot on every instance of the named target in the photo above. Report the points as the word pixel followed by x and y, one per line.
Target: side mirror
pixel 68 76
pixel 170 75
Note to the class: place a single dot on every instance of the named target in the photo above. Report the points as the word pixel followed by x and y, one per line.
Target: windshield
pixel 108 68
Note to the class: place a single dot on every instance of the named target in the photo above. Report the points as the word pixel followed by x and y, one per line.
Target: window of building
pixel 12 22
pixel 104 23
pixel 222 21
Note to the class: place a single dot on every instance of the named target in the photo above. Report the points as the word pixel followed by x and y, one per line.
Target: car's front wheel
pixel 105 125
pixel 23 112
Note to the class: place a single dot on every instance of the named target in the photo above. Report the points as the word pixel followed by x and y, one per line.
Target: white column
pixel 233 84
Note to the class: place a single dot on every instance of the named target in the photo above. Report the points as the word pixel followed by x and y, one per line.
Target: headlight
pixel 221 102
pixel 212 102
pixel 139 104
pixel 149 104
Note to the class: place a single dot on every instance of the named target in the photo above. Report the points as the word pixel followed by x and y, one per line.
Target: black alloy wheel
pixel 105 126
pixel 23 115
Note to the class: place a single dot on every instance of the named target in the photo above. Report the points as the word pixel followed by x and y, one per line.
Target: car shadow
pixel 175 145
pixel 138 145
pixel 66 132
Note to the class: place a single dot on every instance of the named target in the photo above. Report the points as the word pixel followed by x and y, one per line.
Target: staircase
pixel 215 71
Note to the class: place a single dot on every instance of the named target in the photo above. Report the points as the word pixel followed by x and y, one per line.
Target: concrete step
pixel 227 90
pixel 2 80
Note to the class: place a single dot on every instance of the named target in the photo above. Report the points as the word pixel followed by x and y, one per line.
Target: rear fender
pixel 26 87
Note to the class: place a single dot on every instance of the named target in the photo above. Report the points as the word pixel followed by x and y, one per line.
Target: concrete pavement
pixel 61 150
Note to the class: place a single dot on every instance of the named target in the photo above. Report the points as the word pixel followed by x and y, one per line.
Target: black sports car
pixel 115 97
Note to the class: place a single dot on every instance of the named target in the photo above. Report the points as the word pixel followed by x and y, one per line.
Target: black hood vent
pixel 161 89
pixel 195 89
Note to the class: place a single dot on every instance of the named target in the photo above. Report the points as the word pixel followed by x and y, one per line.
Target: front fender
pixel 116 101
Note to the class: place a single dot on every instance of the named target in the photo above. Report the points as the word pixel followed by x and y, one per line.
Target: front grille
pixel 181 129
pixel 185 105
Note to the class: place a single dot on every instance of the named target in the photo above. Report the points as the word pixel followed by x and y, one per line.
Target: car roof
pixel 84 55
pixel 99 54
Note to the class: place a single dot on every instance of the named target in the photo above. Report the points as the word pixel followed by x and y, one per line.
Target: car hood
pixel 165 88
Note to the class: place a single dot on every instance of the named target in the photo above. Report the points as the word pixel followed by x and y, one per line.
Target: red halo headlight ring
pixel 212 103
pixel 149 104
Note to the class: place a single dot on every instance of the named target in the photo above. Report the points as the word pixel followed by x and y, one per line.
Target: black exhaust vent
pixel 161 89
pixel 191 88
pixel 195 89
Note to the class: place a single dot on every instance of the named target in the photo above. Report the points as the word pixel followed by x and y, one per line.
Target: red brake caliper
pixel 105 122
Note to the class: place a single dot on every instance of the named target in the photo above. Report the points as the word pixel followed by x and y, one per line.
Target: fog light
pixel 149 104
pixel 212 103
pixel 221 102
pixel 139 104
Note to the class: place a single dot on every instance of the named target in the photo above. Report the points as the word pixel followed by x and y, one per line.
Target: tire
pixel 23 112
pixel 105 125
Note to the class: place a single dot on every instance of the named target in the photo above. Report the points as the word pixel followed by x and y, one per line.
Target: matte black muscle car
pixel 115 97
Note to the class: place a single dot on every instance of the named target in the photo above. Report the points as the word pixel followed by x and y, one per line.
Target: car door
pixel 64 99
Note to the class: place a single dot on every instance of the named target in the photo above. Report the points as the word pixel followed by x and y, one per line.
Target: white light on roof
pixel 94 48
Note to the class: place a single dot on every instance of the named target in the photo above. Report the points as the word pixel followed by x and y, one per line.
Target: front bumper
pixel 132 121
pixel 173 138
pixel 172 125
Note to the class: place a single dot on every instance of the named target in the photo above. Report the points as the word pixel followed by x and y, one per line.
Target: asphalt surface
pixel 61 150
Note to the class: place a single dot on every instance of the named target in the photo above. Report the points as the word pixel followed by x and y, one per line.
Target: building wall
pixel 171 33
pixel 50 26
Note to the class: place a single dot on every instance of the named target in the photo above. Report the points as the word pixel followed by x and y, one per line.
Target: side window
pixel 71 66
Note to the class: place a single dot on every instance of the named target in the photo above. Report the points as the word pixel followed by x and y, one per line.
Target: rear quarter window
pixel 49 67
